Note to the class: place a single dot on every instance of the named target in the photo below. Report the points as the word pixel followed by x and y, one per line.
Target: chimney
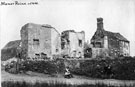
pixel 100 23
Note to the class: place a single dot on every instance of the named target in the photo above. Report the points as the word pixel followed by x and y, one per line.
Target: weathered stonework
pixel 72 43
pixel 40 41
pixel 114 43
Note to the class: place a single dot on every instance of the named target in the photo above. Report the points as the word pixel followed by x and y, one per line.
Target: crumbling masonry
pixel 108 43
pixel 40 41
pixel 72 43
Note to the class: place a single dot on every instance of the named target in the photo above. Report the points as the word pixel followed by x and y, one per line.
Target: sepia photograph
pixel 67 43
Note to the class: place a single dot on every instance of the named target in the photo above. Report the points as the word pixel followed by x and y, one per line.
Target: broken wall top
pixel 31 25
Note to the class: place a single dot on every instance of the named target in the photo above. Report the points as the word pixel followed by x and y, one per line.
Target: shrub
pixel 123 69
pixel 49 67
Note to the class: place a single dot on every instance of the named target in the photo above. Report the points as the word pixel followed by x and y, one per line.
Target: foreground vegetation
pixel 46 67
pixel 104 68
pixel 53 84
pixel 122 69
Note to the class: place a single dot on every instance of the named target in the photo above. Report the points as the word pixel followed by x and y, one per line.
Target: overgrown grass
pixel 118 68
pixel 55 84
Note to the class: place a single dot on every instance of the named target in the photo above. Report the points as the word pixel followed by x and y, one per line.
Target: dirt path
pixel 77 80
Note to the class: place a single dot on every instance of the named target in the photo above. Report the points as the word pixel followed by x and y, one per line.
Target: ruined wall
pixel 105 42
pixel 76 44
pixel 116 44
pixel 24 39
pixel 99 52
pixel 36 39
pixel 114 47
pixel 43 44
pixel 55 43
pixel 98 40
pixel 72 43
pixel 40 40
pixel 124 48
pixel 65 43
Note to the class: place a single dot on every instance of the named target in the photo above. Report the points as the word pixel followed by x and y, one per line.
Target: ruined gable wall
pixel 75 49
pixel 33 33
pixel 24 39
pixel 73 44
pixel 98 37
pixel 55 42
pixel 45 41
pixel 65 43
pixel 43 35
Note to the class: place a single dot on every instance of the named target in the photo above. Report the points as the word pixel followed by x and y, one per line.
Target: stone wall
pixel 40 39
pixel 76 44
pixel 114 47
pixel 55 43
pixel 99 52
pixel 124 48
pixel 73 43
pixel 24 39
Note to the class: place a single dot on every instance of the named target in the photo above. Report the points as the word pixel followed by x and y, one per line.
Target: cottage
pixel 109 43
pixel 40 41
pixel 72 43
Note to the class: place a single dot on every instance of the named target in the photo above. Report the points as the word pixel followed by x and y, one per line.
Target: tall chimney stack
pixel 100 23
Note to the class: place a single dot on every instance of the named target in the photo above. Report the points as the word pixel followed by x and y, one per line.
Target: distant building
pixel 109 43
pixel 40 41
pixel 72 43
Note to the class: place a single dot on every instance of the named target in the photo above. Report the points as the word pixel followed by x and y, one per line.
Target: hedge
pixel 47 67
pixel 123 69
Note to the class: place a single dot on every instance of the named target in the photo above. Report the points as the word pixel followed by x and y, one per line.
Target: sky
pixel 78 15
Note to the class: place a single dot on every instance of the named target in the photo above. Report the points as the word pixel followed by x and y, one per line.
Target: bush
pixel 47 67
pixel 123 69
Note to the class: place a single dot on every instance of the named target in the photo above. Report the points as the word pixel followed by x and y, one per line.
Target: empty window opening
pixel 62 45
pixel 80 43
pixel 43 56
pixel 57 50
pixel 36 41
pixel 68 42
pixel 37 55
pixel 98 45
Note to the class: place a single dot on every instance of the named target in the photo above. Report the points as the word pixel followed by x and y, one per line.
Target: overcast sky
pixel 118 15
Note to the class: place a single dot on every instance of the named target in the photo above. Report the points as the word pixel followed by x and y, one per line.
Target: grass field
pixel 47 79
pixel 56 84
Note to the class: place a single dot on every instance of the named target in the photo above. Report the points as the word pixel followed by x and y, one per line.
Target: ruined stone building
pixel 72 43
pixel 40 41
pixel 108 43
pixel 44 41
